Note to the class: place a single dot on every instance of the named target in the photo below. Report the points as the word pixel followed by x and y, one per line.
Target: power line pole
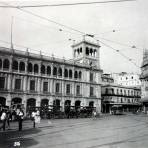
pixel 12 32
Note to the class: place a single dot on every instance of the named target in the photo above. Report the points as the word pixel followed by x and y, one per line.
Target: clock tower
pixel 87 53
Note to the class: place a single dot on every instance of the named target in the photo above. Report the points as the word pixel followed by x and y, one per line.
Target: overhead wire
pixel 126 57
pixel 119 43
pixel 71 28
pixel 47 19
pixel 67 4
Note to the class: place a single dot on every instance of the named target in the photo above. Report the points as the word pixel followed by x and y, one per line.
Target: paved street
pixel 125 131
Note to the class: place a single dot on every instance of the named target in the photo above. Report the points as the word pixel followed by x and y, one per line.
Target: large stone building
pixel 38 80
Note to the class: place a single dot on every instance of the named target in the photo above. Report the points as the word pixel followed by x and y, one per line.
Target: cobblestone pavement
pixel 123 131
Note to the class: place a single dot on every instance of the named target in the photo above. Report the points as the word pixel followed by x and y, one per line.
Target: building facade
pixel 127 97
pixel 107 79
pixel 127 79
pixel 144 81
pixel 36 80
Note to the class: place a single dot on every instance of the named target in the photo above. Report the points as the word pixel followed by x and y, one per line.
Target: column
pixel 25 84
pixel 8 100
pixel 24 102
pixel 38 101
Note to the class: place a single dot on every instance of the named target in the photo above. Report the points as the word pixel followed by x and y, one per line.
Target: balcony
pixel 79 95
pixel 3 90
pixel 58 93
pixel 69 94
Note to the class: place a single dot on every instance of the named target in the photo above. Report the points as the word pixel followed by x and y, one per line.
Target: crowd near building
pixel 35 80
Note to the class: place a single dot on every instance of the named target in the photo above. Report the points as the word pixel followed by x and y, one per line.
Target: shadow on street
pixel 17 138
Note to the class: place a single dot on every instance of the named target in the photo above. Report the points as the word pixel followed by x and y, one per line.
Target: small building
pixel 127 97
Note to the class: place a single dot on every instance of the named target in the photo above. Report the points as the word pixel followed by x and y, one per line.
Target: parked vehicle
pixel 117 110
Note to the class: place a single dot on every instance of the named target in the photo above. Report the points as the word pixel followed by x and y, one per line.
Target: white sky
pixel 130 19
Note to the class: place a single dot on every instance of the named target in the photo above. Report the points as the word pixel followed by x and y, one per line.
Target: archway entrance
pixel 91 104
pixel 16 103
pixel 56 105
pixel 44 102
pixel 2 101
pixel 67 105
pixel 77 104
pixel 44 108
pixel 31 104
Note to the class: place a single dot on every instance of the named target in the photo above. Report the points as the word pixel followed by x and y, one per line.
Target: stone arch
pixel 22 66
pixel 55 71
pixel 91 51
pixel 15 65
pixel 2 101
pixel 6 64
pixel 44 102
pixel 31 102
pixel 95 52
pixel 77 104
pixel 56 105
pixel 87 51
pixel 76 75
pixel 80 74
pixel 80 49
pixel 48 70
pixel 65 73
pixel 30 67
pixel 60 72
pixel 70 74
pixel 36 68
pixel 16 102
pixel 91 103
pixel 43 69
pixel 67 105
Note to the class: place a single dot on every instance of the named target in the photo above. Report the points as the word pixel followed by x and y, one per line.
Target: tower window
pixel 87 51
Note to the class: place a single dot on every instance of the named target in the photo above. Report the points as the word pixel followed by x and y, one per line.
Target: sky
pixel 128 19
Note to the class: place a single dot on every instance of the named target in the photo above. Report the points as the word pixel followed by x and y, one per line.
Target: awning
pixel 145 99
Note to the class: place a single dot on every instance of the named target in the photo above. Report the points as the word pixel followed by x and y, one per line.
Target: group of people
pixel 7 115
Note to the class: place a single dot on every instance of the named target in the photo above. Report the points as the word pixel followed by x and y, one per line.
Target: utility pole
pixel 12 32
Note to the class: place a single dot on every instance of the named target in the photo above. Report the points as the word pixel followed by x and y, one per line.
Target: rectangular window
pixel 68 89
pixel 78 90
pixel 91 77
pixel 57 87
pixel 91 91
pixel 32 85
pixel 2 82
pixel 18 84
pixel 45 86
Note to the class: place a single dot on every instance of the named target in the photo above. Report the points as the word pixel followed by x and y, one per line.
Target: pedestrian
pixel 33 118
pixel 20 115
pixel 8 118
pixel 37 116
pixel 94 113
pixel 3 118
